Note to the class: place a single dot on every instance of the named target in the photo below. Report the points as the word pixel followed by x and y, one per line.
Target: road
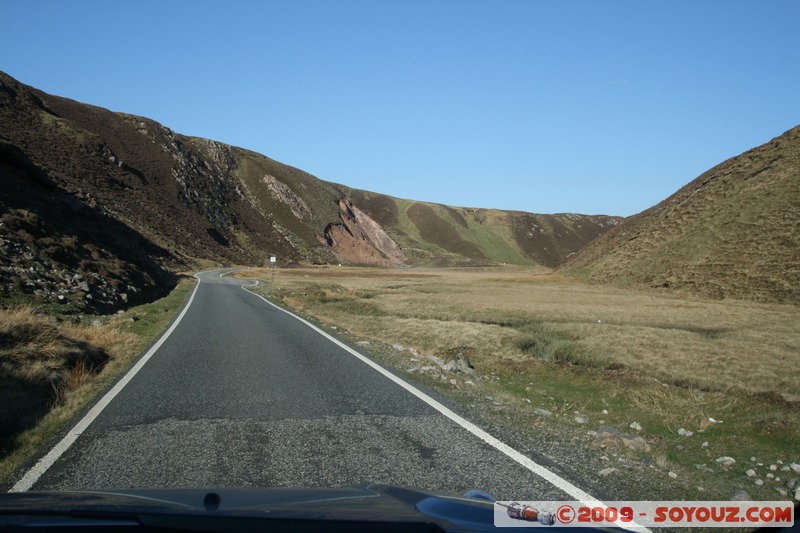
pixel 244 394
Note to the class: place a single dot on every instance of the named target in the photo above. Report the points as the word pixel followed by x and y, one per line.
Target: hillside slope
pixel 164 201
pixel 734 232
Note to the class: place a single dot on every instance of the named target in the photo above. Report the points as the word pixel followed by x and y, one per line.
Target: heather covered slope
pixel 200 199
pixel 734 232
pixel 181 193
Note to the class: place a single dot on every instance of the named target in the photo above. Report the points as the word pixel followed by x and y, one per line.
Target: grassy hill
pixel 444 235
pixel 734 232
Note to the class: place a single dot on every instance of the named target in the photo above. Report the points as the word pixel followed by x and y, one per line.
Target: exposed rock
pixel 361 240
pixel 282 192
pixel 461 364
pixel 610 437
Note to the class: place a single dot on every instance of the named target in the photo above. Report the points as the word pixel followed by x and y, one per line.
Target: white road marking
pixel 551 477
pixel 38 470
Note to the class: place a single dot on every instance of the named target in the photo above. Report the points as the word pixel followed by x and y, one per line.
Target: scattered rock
pixel 773 467
pixel 759 482
pixel 363 343
pixel 542 412
pixel 673 475
pixel 636 426
pixel 460 364
pixel 751 473
pixel 606 471
pixel 610 437
pixel 684 433
pixel 399 347
pixel 705 444
pixel 795 467
pixel 581 419
pixel 740 496
pixel 725 460
pixel 770 476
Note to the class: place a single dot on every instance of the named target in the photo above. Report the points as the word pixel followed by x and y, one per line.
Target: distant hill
pixel 734 232
pixel 445 235
pixel 98 207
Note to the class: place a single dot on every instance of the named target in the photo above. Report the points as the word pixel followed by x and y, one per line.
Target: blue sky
pixel 542 106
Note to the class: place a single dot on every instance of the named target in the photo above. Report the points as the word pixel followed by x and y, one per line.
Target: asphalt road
pixel 243 394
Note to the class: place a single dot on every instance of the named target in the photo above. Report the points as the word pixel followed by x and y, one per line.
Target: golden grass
pixel 50 370
pixel 43 362
pixel 715 345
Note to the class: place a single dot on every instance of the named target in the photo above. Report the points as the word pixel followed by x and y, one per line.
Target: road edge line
pixel 43 465
pixel 531 465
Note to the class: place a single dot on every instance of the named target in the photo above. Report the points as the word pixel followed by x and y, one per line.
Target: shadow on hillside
pixel 62 248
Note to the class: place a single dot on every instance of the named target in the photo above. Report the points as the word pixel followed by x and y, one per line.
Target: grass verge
pixel 52 368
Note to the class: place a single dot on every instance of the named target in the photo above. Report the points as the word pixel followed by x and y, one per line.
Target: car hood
pixel 217 507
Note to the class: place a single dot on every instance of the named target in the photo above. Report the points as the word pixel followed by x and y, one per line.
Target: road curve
pixel 244 394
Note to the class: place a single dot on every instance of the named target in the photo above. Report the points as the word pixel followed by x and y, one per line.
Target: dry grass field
pixel 520 315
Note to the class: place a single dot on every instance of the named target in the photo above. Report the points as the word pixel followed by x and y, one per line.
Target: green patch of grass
pixel 547 344
pixel 354 308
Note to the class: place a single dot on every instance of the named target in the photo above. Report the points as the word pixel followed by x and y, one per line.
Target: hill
pixel 445 235
pixel 734 232
pixel 98 207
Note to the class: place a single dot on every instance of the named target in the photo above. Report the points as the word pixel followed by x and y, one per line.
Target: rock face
pixel 361 240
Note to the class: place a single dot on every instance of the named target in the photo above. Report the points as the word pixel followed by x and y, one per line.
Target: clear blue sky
pixel 541 106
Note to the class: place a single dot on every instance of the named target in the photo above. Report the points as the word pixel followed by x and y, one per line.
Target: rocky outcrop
pixel 361 240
